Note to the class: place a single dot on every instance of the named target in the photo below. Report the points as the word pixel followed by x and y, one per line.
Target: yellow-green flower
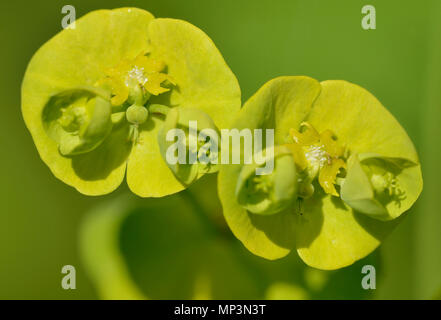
pixel 95 97
pixel 357 171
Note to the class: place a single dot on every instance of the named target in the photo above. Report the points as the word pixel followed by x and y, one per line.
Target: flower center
pixel 132 83
pixel 317 154
pixel 142 71
pixel 387 185
pixel 72 118
pixel 136 75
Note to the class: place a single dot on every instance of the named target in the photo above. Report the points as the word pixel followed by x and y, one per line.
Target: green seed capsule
pixel 78 119
pixel 136 114
pixel 271 193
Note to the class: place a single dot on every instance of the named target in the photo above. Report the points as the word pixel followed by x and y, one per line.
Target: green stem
pixel 116 109
pixel 138 95
pixel 158 108
pixel 208 223
pixel 223 235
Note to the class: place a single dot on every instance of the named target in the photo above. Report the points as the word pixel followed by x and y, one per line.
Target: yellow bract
pixel 311 148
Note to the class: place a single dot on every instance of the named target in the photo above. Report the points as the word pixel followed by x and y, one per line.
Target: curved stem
pixel 158 108
pixel 200 212
pixel 223 235
pixel 116 109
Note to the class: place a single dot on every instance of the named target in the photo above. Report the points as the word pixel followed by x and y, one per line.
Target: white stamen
pixel 136 74
pixel 316 153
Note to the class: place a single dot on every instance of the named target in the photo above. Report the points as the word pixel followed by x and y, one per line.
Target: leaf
pixel 203 79
pixel 330 235
pixel 360 121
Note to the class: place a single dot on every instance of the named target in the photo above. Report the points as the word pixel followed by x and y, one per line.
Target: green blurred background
pixel 399 62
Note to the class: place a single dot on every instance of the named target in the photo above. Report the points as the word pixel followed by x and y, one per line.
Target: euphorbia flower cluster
pixel 349 170
pixel 95 98
pixel 100 99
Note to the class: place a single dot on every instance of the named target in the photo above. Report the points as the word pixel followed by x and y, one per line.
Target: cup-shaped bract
pixel 189 144
pixel 78 119
pixel 342 139
pixel 377 186
pixel 139 61
pixel 270 193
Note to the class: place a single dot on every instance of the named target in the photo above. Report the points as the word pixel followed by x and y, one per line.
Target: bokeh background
pixel 399 62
